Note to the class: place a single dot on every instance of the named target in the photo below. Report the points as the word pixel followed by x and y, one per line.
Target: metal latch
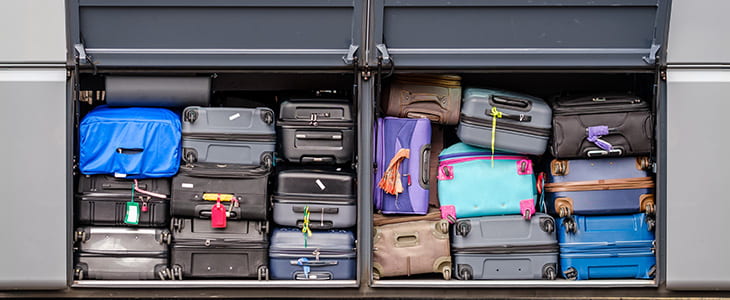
pixel 384 55
pixel 651 59
pixel 81 54
pixel 349 57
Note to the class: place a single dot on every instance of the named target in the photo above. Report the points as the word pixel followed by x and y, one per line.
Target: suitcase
pixel 157 91
pixel 523 122
pixel 325 255
pixel 109 186
pixel 471 184
pixel 505 247
pixel 437 145
pixel 229 135
pixel 596 247
pixel 197 187
pixel 435 97
pixel 613 185
pixel 434 214
pixel 329 197
pixel 121 253
pixel 316 131
pixel 133 142
pixel 410 248
pixel 602 125
pixel 393 135
pixel 111 211
pixel 238 251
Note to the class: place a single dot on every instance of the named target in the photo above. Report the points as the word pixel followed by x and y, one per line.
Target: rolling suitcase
pixel 228 135
pixel 157 91
pixel 600 186
pixel 402 150
pixel 522 122
pixel 109 186
pixel 505 247
pixel 435 97
pixel 410 248
pixel 119 253
pixel 241 189
pixel 596 247
pixel 327 196
pixel 602 125
pixel 112 211
pixel 238 251
pixel 316 131
pixel 472 184
pixel 325 255
pixel 131 142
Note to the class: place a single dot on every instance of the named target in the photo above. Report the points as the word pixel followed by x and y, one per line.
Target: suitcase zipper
pixel 598 185
pixel 232 137
pixel 553 248
pixel 462 159
pixel 543 132
pixel 318 199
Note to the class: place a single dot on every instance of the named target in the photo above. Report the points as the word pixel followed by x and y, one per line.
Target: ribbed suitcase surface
pixel 104 185
pixel 110 211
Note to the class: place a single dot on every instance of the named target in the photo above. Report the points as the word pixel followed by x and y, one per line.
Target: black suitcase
pixel 329 195
pixel 196 188
pixel 109 186
pixel 238 251
pixel 601 125
pixel 110 211
pixel 316 131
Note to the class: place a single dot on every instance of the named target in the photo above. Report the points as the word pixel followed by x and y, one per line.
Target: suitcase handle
pixel 122 186
pixel 319 136
pixel 314 263
pixel 312 276
pixel 521 104
pixel 425 166
pixel 328 210
pixel 408 97
pixel 207 213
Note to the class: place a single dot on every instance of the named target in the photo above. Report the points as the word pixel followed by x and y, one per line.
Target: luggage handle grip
pixel 319 136
pixel 410 98
pixel 129 151
pixel 599 153
pixel 321 225
pixel 328 210
pixel 425 166
pixel 312 276
pixel 122 186
pixel 406 239
pixel 207 214
pixel 501 100
pixel 314 263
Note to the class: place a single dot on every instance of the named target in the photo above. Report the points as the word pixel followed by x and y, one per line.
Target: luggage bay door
pixel 519 34
pixel 215 34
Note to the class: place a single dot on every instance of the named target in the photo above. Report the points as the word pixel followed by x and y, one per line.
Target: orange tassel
pixel 391 182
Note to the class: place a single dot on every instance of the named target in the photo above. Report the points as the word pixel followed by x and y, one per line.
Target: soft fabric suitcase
pixel 157 91
pixel 316 131
pixel 109 186
pixel 522 122
pixel 121 253
pixel 472 183
pixel 133 142
pixel 323 255
pixel 602 125
pixel 229 135
pixel 435 97
pixel 325 198
pixel 615 185
pixel 111 211
pixel 241 189
pixel 238 251
pixel 405 177
pixel 505 247
pixel 410 248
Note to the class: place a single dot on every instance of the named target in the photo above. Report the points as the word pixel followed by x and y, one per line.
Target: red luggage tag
pixel 218 215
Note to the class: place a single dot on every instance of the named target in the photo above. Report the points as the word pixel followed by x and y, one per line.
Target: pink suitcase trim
pixel 524 167
pixel 527 208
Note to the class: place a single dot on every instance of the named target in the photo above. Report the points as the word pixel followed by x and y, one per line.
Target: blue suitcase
pixel 325 255
pixel 599 186
pixel 618 246
pixel 130 142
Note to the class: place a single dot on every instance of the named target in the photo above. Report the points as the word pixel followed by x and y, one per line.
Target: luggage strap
pixel 603 184
pixel 148 193
pixel 594 136
pixel 496 114
pixel 305 226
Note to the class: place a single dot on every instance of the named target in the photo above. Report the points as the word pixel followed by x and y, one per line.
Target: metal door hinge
pixel 350 57
pixel 81 57
pixel 651 58
pixel 383 56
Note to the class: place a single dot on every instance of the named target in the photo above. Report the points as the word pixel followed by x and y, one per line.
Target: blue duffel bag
pixel 131 142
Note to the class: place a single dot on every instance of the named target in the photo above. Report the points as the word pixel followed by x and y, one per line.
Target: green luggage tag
pixel 132 211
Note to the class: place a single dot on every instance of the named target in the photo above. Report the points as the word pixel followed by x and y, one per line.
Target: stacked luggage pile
pixel 204 173
pixel 495 197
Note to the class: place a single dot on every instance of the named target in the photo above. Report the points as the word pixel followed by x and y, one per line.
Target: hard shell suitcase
pixel 522 126
pixel 472 184
pixel 238 251
pixel 600 186
pixel 410 248
pixel 393 135
pixel 325 255
pixel 157 91
pixel 629 263
pixel 198 187
pixel 111 211
pixel 601 125
pixel 437 145
pixel 435 97
pixel 229 135
pixel 109 186
pixel 505 247
pixel 132 142
pixel 121 253
pixel 316 131
pixel 328 197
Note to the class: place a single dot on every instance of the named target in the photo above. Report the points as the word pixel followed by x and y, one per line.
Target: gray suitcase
pixel 121 253
pixel 329 195
pixel 228 135
pixel 524 126
pixel 505 247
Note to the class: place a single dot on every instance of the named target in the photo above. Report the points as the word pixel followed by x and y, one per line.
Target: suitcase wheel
pixel 443 227
pixel 267 161
pixel 651 223
pixel 652 271
pixel 527 214
pixel 176 224
pixel 79 274
pixel 177 272
pixel 80 236
pixel 263 273
pixel 465 272
pixel 549 272
pixel 463 227
pixel 650 208
pixel 376 274
pixel 571 274
pixel 564 211
pixel 267 116
pixel 165 237
pixel 191 116
pixel 446 270
pixel 547 225
pixel 164 274
pixel 569 225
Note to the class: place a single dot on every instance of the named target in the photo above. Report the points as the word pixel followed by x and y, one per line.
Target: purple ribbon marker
pixel 594 136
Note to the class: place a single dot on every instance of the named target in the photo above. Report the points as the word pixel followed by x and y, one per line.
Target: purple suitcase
pixel 599 186
pixel 393 134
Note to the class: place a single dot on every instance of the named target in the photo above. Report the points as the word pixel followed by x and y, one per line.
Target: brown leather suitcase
pixel 410 248
pixel 435 97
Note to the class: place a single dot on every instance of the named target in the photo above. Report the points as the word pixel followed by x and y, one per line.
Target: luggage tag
pixel 305 226
pixel 218 215
pixel 131 215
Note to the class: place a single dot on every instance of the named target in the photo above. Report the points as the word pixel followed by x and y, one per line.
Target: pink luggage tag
pixel 448 212
pixel 218 215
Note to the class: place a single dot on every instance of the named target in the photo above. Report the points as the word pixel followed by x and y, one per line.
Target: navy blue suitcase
pixel 599 186
pixel 325 255
pixel 618 246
